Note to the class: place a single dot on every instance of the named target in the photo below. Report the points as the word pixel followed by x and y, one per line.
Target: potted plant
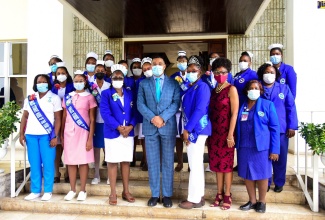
pixel 8 118
pixel 314 135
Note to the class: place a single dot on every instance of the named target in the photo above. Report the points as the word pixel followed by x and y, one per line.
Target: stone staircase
pixel 289 204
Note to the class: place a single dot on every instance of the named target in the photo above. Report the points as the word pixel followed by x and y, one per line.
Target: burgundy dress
pixel 221 158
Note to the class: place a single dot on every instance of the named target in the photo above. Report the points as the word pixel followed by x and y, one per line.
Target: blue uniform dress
pixel 129 82
pixel 289 77
pixel 282 98
pixel 212 82
pixel 69 88
pixel 258 135
pixel 51 79
pixel 184 85
pixel 240 81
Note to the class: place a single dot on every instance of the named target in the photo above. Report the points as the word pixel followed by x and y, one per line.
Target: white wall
pixel 50 32
pixel 13 20
pixel 306 52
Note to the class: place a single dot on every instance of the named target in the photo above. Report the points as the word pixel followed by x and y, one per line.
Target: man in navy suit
pixel 158 102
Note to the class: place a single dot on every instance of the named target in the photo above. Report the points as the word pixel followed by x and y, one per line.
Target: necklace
pixel 220 88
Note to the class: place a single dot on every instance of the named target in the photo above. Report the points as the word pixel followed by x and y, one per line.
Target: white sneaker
pixel 95 181
pixel 108 183
pixel 32 196
pixel 70 196
pixel 46 196
pixel 208 169
pixel 82 196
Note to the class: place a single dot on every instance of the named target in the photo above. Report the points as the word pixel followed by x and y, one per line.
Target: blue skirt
pixel 99 135
pixel 253 164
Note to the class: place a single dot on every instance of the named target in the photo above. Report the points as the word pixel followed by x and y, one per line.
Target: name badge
pixel 244 116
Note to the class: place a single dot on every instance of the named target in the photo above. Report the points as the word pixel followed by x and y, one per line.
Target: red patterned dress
pixel 221 158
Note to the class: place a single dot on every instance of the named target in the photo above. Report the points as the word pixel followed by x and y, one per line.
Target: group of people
pixel 103 107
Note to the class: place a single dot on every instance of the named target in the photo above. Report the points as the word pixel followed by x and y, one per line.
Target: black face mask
pixel 100 76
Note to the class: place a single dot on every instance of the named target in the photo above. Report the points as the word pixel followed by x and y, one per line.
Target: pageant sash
pixel 76 117
pixel 41 117
pixel 198 128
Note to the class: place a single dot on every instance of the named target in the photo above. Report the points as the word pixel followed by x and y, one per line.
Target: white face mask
pixel 109 63
pixel 125 72
pixel 62 78
pixel 211 61
pixel 253 94
pixel 243 66
pixel 269 78
pixel 137 72
pixel 148 73
pixel 117 84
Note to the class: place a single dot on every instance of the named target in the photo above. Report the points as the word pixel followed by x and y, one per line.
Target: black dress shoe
pixel 268 189
pixel 167 202
pixel 104 164
pixel 260 207
pixel 278 189
pixel 153 201
pixel 235 168
pixel 248 206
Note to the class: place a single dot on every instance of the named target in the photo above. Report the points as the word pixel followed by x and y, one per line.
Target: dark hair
pixel 89 59
pixel 85 78
pixel 261 70
pixel 249 85
pixel 131 66
pixel 123 61
pixel 210 54
pixel 108 55
pixel 47 79
pixel 245 54
pixel 57 59
pixel 100 65
pixel 179 57
pixel 221 62
pixel 69 78
pixel 156 56
pixel 276 48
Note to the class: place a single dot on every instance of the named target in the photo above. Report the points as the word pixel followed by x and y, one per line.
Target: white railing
pixel 15 193
pixel 314 166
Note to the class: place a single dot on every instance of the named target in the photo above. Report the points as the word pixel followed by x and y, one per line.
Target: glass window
pixel 2 97
pixel 2 48
pixel 18 66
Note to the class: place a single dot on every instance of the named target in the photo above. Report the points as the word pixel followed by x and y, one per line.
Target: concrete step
pixel 137 174
pixel 97 206
pixel 141 189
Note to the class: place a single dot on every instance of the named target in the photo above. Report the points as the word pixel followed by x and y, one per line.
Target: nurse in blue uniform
pixel 257 143
pixel 184 83
pixel 245 75
pixel 284 102
pixel 208 77
pixel 90 64
pixel 197 127
pixel 109 61
pixel 129 82
pixel 63 85
pixel 52 64
pixel 288 75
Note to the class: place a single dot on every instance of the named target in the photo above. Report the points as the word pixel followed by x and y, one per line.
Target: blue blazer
pixel 69 88
pixel 195 105
pixel 51 80
pixel 166 108
pixel 266 126
pixel 129 82
pixel 288 76
pixel 207 79
pixel 240 81
pixel 285 106
pixel 114 114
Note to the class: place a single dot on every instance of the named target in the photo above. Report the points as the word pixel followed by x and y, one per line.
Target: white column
pixel 50 31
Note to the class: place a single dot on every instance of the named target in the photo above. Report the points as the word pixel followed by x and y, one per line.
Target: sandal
pixel 218 200
pixel 128 197
pixel 226 202
pixel 112 200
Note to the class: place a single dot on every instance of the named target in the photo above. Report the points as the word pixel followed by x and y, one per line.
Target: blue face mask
pixel 54 67
pixel 42 87
pixel 157 70
pixel 90 68
pixel 79 86
pixel 182 66
pixel 192 77
pixel 275 59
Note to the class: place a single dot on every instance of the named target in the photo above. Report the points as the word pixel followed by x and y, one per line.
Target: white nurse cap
pixel 181 53
pixel 275 46
pixel 92 54
pixel 108 52
pixel 60 64
pixel 136 60
pixel 101 62
pixel 78 72
pixel 146 60
pixel 119 67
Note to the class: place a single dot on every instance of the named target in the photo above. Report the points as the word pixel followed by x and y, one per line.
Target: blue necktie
pixel 158 90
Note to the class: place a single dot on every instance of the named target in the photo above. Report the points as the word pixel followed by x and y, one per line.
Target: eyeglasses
pixel 118 79
pixel 220 72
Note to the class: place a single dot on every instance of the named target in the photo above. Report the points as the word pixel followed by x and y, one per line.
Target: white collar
pixel 106 85
pixel 85 93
